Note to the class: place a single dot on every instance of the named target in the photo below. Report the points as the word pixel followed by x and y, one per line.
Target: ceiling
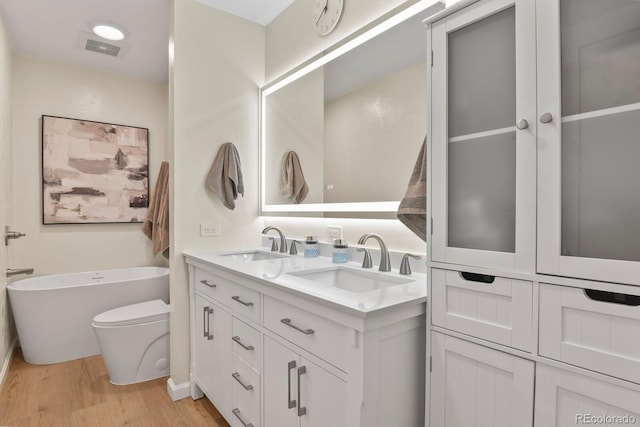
pixel 58 30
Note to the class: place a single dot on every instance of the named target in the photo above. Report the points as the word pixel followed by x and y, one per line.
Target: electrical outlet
pixel 207 230
pixel 334 231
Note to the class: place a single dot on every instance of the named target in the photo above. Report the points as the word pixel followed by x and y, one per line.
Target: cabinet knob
pixel 522 124
pixel 546 118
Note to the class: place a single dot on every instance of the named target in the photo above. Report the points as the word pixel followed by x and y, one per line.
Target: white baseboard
pixel 179 391
pixel 7 361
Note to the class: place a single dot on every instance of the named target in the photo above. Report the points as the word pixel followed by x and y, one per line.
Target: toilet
pixel 134 341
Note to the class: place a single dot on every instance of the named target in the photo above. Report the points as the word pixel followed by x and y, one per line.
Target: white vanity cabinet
pixel 589 111
pixel 300 393
pixel 483 144
pixel 211 358
pixel 287 359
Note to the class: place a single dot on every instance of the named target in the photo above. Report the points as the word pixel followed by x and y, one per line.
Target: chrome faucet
pixel 15 271
pixel 283 240
pixel 405 268
pixel 385 262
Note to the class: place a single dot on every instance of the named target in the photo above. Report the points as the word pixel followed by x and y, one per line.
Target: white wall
pixel 6 329
pixel 51 88
pixel 217 69
pixel 290 39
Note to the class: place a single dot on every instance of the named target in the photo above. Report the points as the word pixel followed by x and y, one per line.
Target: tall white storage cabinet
pixel 534 265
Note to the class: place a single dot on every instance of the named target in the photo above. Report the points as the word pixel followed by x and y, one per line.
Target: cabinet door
pixel 202 345
pixel 220 360
pixel 280 385
pixel 566 399
pixel 483 136
pixel 474 386
pixel 589 121
pixel 323 397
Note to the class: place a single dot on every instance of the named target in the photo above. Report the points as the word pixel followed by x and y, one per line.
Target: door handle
pixel 205 312
pixel 290 366
pixel 302 410
pixel 209 334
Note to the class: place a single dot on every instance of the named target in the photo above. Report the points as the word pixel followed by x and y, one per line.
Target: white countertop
pixel 273 274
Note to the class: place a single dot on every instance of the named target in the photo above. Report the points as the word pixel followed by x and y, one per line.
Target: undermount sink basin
pixel 351 280
pixel 248 256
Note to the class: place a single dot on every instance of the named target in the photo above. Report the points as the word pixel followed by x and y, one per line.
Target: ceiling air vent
pixel 89 41
pixel 102 47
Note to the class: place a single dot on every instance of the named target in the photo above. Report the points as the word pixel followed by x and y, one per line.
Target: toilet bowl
pixel 134 341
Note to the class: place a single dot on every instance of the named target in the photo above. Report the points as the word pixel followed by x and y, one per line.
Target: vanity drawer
pixel 593 329
pixel 211 285
pixel 318 335
pixel 245 394
pixel 493 308
pixel 246 302
pixel 247 343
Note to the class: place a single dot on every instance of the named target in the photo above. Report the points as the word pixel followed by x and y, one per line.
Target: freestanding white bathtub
pixel 53 313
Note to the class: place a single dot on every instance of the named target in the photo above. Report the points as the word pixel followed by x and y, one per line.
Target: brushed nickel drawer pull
pixel 246 347
pixel 236 376
pixel 291 325
pixel 211 285
pixel 236 412
pixel 236 298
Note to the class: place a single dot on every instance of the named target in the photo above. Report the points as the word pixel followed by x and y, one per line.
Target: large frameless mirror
pixel 351 123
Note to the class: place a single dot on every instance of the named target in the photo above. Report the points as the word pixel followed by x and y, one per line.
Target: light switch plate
pixel 334 231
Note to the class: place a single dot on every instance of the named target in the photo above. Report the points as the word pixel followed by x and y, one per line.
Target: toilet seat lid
pixel 144 312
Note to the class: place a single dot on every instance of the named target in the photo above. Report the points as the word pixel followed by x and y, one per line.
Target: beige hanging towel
pixel 156 222
pixel 225 175
pixel 412 211
pixel 292 182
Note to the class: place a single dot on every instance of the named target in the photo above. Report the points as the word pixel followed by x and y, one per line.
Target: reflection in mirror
pixel 356 123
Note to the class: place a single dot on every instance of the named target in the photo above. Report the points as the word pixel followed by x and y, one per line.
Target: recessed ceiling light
pixel 108 32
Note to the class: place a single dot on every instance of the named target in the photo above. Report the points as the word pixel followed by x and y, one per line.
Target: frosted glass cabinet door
pixel 483 136
pixel 589 123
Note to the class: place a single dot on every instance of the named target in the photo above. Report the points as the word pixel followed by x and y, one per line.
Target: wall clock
pixel 326 14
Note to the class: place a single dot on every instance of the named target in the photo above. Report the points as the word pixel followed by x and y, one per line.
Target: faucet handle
pixel 274 244
pixel 292 249
pixel 366 261
pixel 405 268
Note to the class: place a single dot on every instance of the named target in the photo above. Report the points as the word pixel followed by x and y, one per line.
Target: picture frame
pixel 93 172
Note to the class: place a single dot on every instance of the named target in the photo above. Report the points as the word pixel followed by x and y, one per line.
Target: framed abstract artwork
pixel 93 172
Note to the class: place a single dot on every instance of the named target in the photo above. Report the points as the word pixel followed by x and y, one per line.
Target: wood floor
pixel 78 393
